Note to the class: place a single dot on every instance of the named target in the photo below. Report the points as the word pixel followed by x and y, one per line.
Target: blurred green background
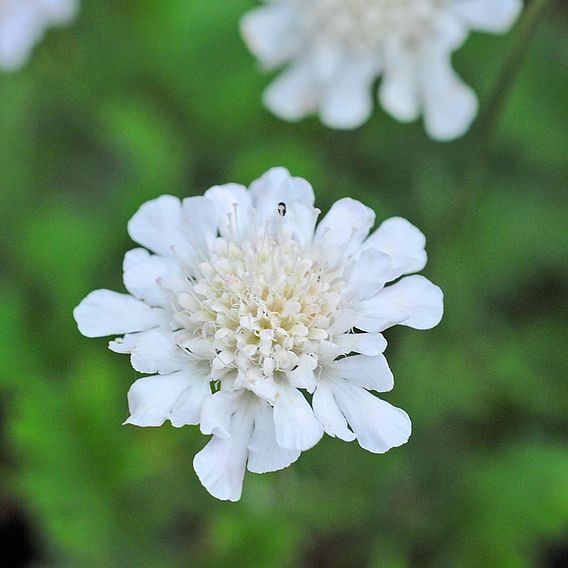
pixel 141 98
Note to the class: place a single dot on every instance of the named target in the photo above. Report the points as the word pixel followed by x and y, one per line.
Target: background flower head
pixel 334 50
pixel 23 23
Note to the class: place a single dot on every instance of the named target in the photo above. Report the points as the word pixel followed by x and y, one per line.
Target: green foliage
pixel 145 98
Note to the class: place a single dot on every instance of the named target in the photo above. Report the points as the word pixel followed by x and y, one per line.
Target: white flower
pixel 335 50
pixel 242 296
pixel 23 24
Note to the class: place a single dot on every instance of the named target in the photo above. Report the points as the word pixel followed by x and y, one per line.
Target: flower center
pixel 255 308
pixel 362 26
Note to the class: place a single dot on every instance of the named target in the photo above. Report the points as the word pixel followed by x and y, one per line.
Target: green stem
pixel 529 24
pixel 489 118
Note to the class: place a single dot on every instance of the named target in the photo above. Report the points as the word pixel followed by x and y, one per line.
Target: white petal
pixel 264 452
pixel 267 389
pixel 147 276
pixel 294 94
pixel 157 352
pixel 344 228
pixel 413 301
pixel 134 257
pixel 275 186
pixel 302 377
pixel 220 465
pixel 59 11
pixel 271 33
pixel 159 226
pixel 18 35
pixel 151 399
pixel 343 321
pixel 347 101
pixel 217 411
pixel 329 415
pixel 278 186
pixel 326 64
pixel 403 242
pixel 450 34
pixel 368 372
pixel 300 221
pixel 449 104
pixel 379 426
pixel 496 16
pixel 371 272
pixel 234 203
pixel 398 92
pixel 126 344
pixel 328 352
pixel 189 406
pixel 296 425
pixel 23 24
pixel 104 312
pixel 201 217
pixel 365 343
pixel 377 316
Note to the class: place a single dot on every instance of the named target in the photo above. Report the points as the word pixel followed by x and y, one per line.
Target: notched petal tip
pixel 104 312
pixel 142 422
pixel 212 477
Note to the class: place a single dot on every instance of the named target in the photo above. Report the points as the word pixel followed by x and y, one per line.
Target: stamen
pixel 236 211
pixel 262 303
pixel 230 226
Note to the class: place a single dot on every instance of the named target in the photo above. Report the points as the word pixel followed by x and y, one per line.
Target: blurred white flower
pixel 242 296
pixel 23 24
pixel 335 50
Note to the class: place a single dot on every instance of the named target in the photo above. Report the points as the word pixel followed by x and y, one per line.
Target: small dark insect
pixel 282 209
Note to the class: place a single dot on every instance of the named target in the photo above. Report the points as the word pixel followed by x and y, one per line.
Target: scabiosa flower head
pixel 335 49
pixel 260 326
pixel 23 24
